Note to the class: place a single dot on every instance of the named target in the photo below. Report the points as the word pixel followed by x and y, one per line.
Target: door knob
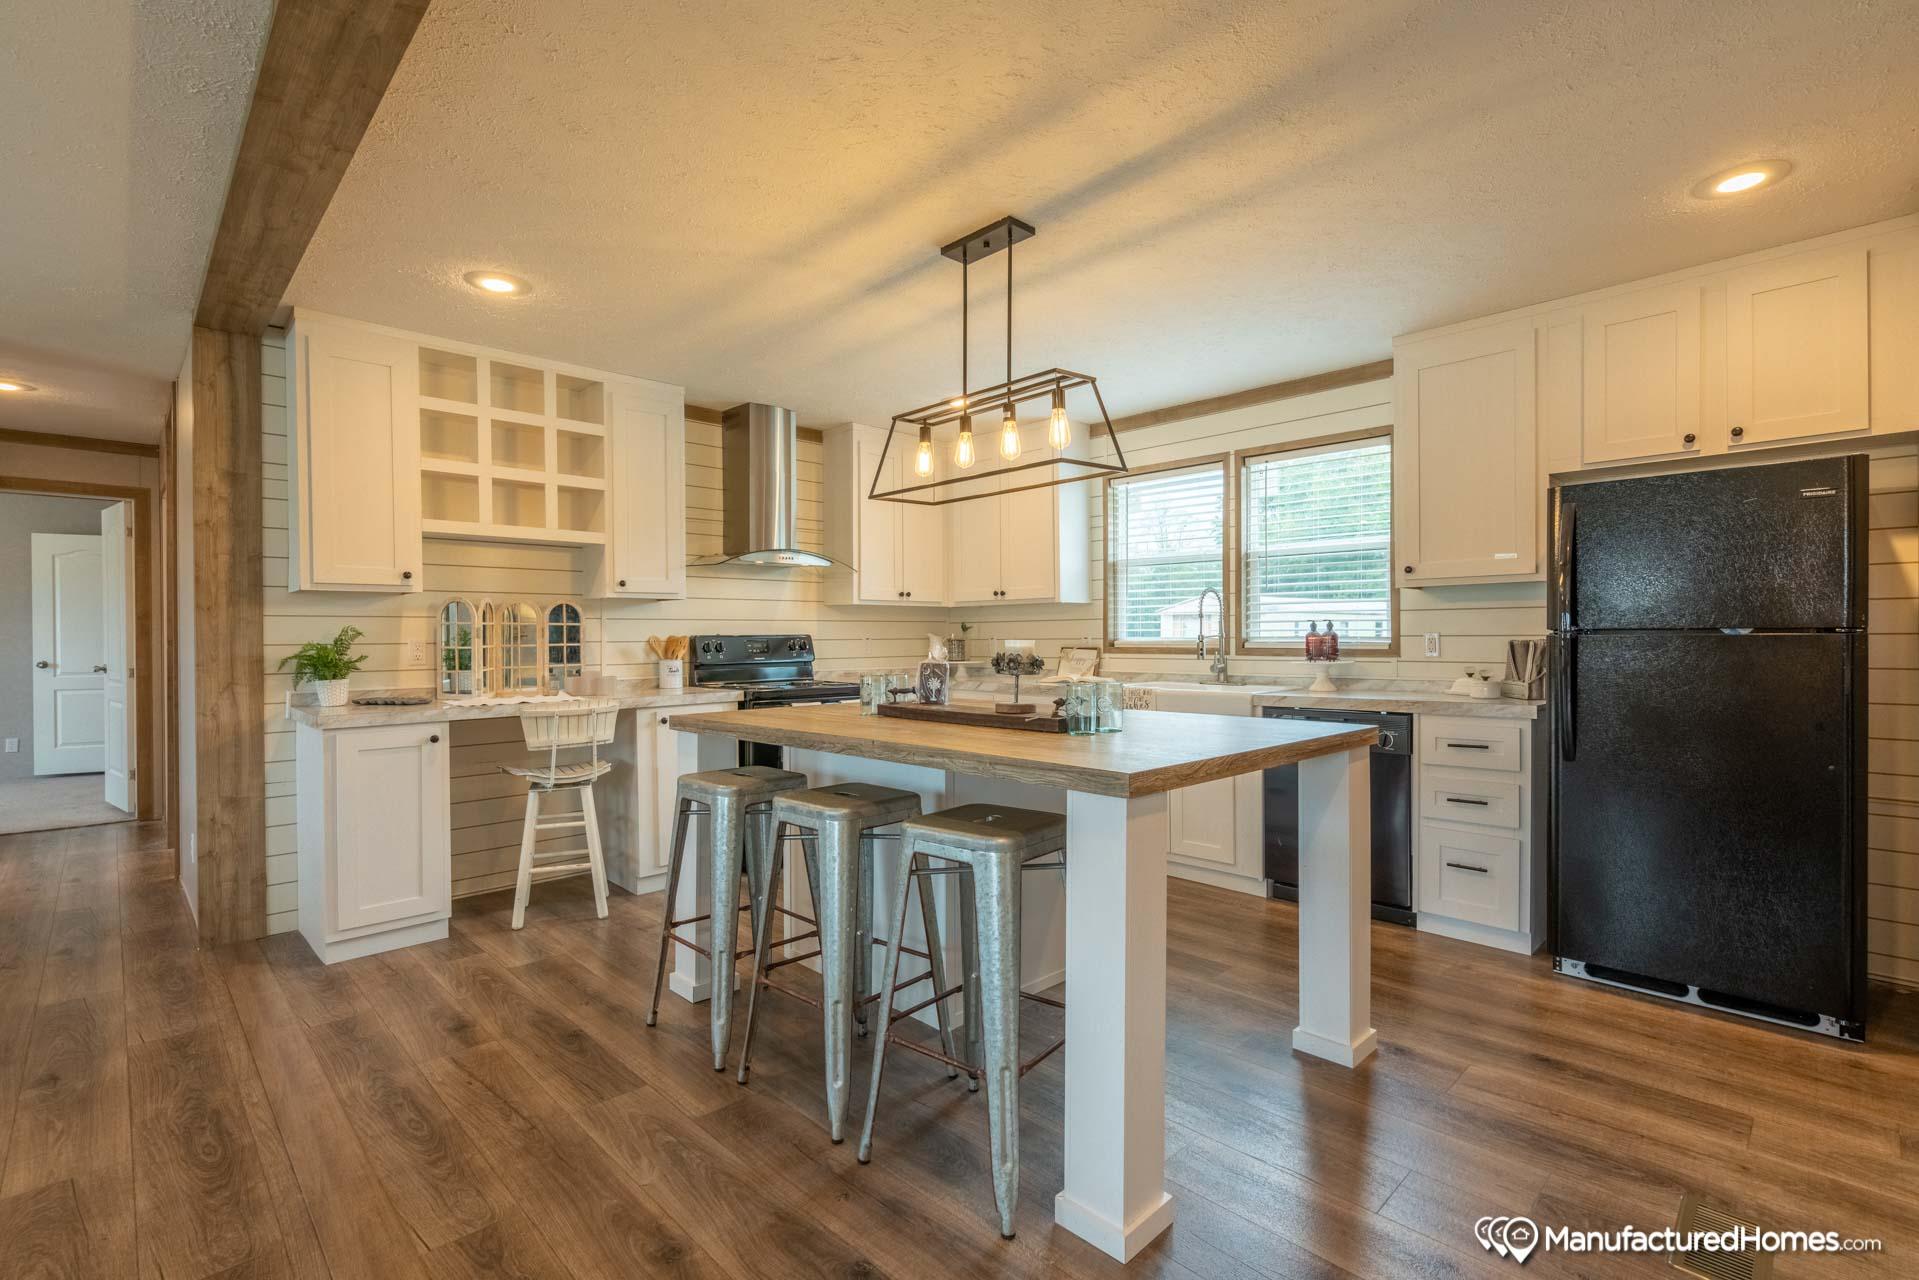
pixel 43 664
pixel 1690 437
pixel 434 738
pixel 406 575
pixel 1737 432
pixel 100 669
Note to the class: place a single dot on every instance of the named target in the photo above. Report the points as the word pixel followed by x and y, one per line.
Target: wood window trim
pixel 1224 461
pixel 1241 458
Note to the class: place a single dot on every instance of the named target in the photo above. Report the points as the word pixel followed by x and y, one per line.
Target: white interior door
pixel 116 632
pixel 69 705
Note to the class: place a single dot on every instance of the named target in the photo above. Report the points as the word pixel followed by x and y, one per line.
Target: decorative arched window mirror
pixel 563 643
pixel 510 647
pixel 459 648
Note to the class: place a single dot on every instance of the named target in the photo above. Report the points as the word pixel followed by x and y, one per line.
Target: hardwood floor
pixel 493 1105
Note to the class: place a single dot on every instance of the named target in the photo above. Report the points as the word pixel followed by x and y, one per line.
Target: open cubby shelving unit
pixel 510 450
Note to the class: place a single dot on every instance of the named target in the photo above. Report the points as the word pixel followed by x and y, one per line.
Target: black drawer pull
pixel 1463 800
pixel 1467 866
pixel 1470 746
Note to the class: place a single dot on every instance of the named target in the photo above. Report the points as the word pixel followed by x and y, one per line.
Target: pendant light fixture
pixel 1050 386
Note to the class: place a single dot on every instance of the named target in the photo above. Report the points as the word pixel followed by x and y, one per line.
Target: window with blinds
pixel 1165 544
pixel 1317 545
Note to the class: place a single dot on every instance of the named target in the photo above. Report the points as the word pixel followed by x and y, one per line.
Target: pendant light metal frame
pixel 998 397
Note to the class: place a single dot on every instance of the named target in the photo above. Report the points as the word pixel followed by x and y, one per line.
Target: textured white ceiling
pixel 119 121
pixel 746 198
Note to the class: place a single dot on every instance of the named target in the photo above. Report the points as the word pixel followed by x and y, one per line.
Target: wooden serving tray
pixel 961 715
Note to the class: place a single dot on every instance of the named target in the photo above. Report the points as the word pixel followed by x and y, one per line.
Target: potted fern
pixel 326 665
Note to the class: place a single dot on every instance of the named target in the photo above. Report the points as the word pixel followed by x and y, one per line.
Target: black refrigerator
pixel 1708 688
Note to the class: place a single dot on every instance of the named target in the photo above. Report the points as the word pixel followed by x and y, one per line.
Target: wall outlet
pixel 13 744
pixel 1432 644
pixel 416 653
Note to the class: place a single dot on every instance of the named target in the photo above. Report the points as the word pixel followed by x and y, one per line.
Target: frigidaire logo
pixel 1514 1238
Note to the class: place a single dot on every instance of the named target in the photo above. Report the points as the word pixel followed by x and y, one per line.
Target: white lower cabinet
pixel 1479 856
pixel 636 799
pixel 375 837
pixel 1216 829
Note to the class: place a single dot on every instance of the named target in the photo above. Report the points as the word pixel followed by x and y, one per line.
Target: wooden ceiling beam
pixel 326 66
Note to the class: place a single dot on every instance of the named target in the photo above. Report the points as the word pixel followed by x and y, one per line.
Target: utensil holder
pixel 672 673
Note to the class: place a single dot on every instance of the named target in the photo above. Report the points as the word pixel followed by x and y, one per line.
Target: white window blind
pixel 1318 545
pixel 1165 544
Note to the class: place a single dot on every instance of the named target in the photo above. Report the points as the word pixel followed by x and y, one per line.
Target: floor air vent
pixel 1712 1264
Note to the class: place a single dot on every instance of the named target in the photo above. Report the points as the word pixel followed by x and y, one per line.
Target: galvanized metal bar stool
pixel 734 800
pixel 836 828
pixel 989 846
pixel 587 724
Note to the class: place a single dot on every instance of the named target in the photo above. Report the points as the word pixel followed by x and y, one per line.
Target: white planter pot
pixel 329 693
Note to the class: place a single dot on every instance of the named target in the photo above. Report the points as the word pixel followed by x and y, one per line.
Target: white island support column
pixel 1335 907
pixel 1115 1193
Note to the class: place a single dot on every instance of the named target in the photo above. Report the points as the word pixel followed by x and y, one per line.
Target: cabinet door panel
pixel 392 831
pixel 1796 355
pixel 1465 481
pixel 357 455
pixel 1642 374
pixel 645 555
pixel 881 581
pixel 973 546
pixel 1029 545
pixel 1204 823
pixel 922 553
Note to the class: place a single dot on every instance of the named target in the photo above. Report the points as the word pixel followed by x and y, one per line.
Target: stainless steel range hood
pixel 759 453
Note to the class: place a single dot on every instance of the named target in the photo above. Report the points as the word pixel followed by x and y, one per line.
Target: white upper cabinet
pixel 1642 372
pixel 644 557
pixel 1797 352
pixel 353 459
pixel 397 436
pixel 894 552
pixel 1022 545
pixel 1465 471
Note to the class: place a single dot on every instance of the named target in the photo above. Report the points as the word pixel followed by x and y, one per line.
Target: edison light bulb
pixel 923 456
pixel 1059 432
pixel 963 448
pixel 1009 436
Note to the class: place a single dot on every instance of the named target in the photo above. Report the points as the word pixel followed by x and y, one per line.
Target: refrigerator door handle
pixel 1563 685
pixel 1565 552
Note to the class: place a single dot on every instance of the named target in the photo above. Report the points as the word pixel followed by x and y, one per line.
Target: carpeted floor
pixel 46 804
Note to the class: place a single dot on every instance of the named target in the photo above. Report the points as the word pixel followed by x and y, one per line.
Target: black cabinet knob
pixel 907 594
pixel 406 575
pixel 662 719
pixel 622 581
pixel 434 738
pixel 1409 569
pixel 1737 432
pixel 1690 437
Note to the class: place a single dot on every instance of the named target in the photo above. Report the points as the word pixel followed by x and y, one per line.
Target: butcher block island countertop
pixel 1158 750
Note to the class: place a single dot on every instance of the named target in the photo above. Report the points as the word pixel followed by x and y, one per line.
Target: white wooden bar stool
pixel 587 724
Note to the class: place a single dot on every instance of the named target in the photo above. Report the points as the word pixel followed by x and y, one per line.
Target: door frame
pixel 149 734
pixel 49 686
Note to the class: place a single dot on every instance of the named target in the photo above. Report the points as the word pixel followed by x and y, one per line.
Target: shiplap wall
pixel 487 806
pixel 1474 623
pixel 1892 825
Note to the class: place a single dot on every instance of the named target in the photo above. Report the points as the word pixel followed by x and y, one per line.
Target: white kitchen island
pixel 1113 789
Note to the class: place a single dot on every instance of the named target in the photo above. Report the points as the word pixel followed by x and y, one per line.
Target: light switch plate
pixel 1432 644
pixel 13 744
pixel 416 653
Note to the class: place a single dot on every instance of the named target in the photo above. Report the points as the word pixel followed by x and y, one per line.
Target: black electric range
pixel 768 671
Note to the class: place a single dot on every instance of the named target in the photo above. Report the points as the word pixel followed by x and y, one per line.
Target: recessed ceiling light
pixel 497 282
pixel 10 385
pixel 1742 178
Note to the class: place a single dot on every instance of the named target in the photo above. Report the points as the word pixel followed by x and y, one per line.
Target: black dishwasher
pixel 1392 785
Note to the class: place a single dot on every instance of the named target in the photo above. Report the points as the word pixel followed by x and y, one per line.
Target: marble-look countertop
pixel 355 717
pixel 1415 703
